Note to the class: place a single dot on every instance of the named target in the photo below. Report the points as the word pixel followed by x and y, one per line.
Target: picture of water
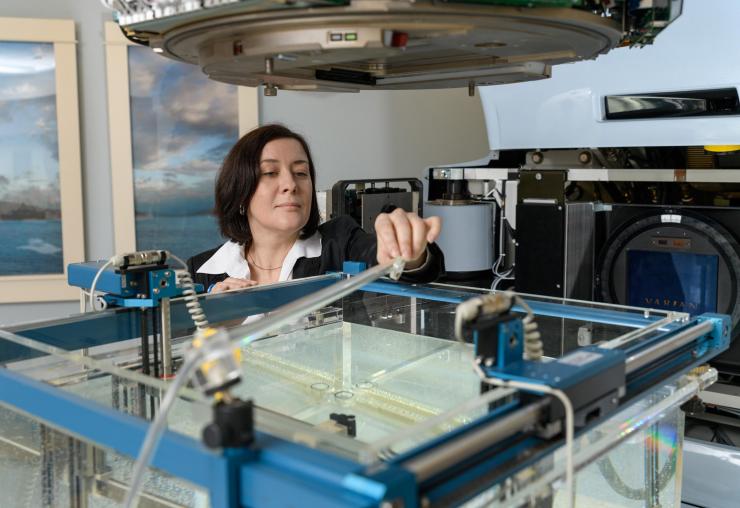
pixel 30 201
pixel 183 125
pixel 31 247
pixel 183 236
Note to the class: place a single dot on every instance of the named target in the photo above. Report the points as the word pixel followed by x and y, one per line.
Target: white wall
pixel 361 135
pixel 381 134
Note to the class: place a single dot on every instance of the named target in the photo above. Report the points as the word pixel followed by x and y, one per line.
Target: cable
pixel 192 360
pixel 95 281
pixel 533 348
pixel 498 303
pixel 569 420
pixel 191 296
pixel 612 477
pixel 508 274
pixel 191 301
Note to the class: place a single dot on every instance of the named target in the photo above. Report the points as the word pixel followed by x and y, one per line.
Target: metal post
pixel 144 341
pixel 155 341
pixel 644 357
pixel 47 466
pixel 166 337
pixel 436 460
pixel 142 389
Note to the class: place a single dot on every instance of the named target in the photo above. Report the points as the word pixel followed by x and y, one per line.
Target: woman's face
pixel 282 201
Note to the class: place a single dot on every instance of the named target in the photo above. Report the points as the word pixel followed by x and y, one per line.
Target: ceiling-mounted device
pixel 352 45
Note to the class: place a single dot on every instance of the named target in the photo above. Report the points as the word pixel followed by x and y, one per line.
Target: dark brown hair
pixel 238 178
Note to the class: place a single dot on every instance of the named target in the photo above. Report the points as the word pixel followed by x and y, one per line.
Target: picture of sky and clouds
pixel 183 124
pixel 30 224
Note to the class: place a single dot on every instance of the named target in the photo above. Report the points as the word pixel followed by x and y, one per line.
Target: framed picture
pixel 170 129
pixel 41 218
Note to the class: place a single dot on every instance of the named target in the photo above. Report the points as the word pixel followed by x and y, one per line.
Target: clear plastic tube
pixel 158 426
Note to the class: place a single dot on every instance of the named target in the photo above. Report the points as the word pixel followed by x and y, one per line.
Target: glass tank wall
pixel 388 362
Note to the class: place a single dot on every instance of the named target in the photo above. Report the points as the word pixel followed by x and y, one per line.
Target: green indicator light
pixel 350 36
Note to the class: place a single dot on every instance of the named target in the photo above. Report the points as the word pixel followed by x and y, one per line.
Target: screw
pixel 537 158
pixel 156 291
pixel 270 90
pixel 584 157
pixel 538 176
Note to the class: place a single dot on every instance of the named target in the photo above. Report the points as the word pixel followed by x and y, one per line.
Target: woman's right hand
pixel 232 283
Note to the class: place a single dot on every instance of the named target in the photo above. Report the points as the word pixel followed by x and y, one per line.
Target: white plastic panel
pixel 698 51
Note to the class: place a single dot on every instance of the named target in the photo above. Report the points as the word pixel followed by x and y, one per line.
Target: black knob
pixel 213 436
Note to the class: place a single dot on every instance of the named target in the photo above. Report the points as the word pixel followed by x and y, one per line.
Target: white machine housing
pixel 698 51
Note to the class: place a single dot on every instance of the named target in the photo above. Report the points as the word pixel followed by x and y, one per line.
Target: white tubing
pixel 569 421
pixel 95 281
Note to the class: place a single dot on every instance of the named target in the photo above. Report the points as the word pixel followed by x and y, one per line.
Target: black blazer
pixel 342 240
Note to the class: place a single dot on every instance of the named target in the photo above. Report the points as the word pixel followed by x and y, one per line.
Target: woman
pixel 266 207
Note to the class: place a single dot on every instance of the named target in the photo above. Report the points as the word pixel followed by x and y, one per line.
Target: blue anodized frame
pixel 274 472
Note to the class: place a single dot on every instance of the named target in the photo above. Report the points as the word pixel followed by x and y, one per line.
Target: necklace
pixel 251 260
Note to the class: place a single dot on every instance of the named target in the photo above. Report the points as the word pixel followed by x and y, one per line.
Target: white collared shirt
pixel 229 259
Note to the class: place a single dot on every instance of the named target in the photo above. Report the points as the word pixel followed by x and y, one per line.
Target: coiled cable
pixel 191 300
pixel 533 348
pixel 189 294
pixel 498 303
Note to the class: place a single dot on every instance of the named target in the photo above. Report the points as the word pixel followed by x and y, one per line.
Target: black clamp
pixel 232 426
pixel 347 421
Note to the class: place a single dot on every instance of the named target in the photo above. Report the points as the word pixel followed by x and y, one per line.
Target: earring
pixel 241 209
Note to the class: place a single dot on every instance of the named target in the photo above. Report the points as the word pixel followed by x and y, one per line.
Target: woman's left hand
pixel 405 234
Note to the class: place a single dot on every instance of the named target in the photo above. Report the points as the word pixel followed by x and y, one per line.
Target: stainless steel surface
pixel 463 173
pixel 720 394
pixel 457 450
pixel 654 175
pixel 378 44
pixel 650 354
pixel 448 173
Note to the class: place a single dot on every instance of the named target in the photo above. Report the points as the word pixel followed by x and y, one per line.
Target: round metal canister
pixel 467 234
